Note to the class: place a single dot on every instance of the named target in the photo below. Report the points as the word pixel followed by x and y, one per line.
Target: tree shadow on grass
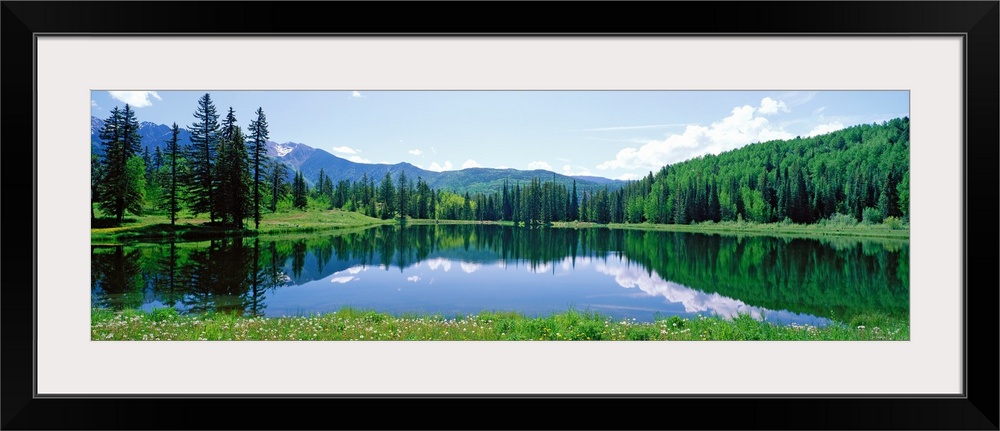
pixel 108 222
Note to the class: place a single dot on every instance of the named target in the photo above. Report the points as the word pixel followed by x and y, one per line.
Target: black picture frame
pixel 976 21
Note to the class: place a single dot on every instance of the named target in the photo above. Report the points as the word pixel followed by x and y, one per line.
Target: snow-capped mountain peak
pixel 282 149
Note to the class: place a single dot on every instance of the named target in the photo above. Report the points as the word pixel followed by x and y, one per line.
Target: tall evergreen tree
pixel 278 177
pixel 574 206
pixel 147 159
pixel 173 152
pixel 258 135
pixel 299 191
pixel 228 126
pixel 202 157
pixel 96 177
pixel 157 160
pixel 118 188
pixel 403 195
pixel 387 193
pixel 233 169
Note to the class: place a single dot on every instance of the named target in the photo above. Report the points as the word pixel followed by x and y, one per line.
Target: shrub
pixel 163 314
pixel 871 216
pixel 839 219
pixel 893 223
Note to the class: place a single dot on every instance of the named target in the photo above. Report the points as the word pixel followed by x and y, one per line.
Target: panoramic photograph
pixel 598 215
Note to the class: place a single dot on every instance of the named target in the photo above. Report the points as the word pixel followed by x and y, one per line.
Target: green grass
pixel 883 230
pixel 158 227
pixel 367 325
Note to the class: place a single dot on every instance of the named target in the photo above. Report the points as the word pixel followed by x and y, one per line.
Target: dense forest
pixel 859 173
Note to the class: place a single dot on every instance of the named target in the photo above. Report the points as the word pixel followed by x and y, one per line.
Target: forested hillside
pixel 861 171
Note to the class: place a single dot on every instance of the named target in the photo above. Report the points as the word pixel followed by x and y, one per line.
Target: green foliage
pixel 805 179
pixel 202 155
pixel 278 187
pixel 120 183
pixel 257 137
pixel 359 325
pixel 163 314
pixel 893 223
pixel 299 192
pixel 903 190
pixel 171 174
pixel 841 220
pixel 234 184
pixel 871 216
pixel 387 194
pixel 134 185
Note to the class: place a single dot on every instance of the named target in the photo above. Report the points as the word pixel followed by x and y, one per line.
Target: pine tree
pixel 403 195
pixel 157 160
pixel 574 206
pixel 233 177
pixel 388 193
pixel 96 177
pixel 202 157
pixel 173 152
pixel 147 159
pixel 258 135
pixel 228 126
pixel 118 186
pixel 299 191
pixel 278 174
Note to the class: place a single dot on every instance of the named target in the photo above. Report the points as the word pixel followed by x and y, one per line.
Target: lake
pixel 455 270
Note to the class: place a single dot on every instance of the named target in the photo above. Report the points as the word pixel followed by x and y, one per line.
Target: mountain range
pixel 308 160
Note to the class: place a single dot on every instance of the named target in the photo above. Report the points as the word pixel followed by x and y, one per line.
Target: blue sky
pixel 613 134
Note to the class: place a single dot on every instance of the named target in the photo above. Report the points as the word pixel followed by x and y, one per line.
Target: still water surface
pixel 455 270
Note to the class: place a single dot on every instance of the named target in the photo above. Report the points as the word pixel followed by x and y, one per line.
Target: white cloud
pixel 415 152
pixel 694 301
pixel 575 170
pixel 93 104
pixel 343 279
pixel 438 168
pixel 470 267
pixel 825 128
pixel 442 263
pixel 135 99
pixel 345 150
pixel 358 159
pixel 740 128
pixel 471 164
pixel 355 94
pixel 770 106
pixel 539 165
pixel 414 278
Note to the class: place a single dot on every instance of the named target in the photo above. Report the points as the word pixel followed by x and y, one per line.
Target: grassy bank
pixel 770 229
pixel 158 227
pixel 353 324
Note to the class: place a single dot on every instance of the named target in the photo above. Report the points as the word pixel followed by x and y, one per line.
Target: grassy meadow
pixel 349 324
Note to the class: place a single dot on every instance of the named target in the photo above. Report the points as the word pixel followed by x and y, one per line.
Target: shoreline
pixel 157 229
